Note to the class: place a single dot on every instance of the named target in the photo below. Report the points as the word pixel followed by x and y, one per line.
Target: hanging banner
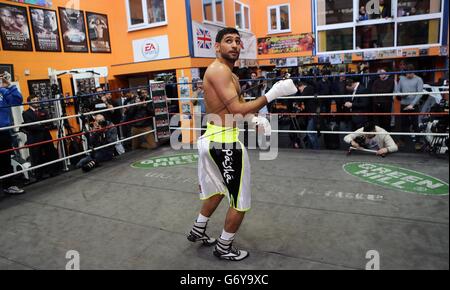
pixel 204 38
pixel 286 44
pixel 42 3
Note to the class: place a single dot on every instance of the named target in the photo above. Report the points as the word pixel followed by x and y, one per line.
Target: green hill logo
pixel 166 161
pixel 397 178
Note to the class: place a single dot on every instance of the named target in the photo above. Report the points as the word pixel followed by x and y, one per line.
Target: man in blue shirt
pixel 9 96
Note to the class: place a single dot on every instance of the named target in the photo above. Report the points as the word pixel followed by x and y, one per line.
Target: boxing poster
pixel 98 30
pixel 15 32
pixel 73 30
pixel 45 30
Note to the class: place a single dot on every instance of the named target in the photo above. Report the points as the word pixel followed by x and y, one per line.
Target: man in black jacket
pixel 140 112
pixel 39 133
pixel 383 85
pixel 357 104
pixel 310 106
pixel 339 88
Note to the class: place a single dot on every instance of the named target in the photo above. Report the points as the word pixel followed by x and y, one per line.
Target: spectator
pixel 119 116
pixel 254 90
pixel 262 89
pixel 9 95
pixel 385 11
pixel 323 88
pixel 140 112
pixel 410 83
pixel 357 104
pixel 383 85
pixel 39 133
pixel 105 103
pixel 310 106
pixel 103 134
pixel 382 143
pixel 293 106
pixel 199 96
pixel 339 88
pixel 363 14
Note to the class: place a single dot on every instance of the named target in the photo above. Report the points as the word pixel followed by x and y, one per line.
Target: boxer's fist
pixel 281 89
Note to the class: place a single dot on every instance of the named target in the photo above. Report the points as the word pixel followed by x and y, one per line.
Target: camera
pixel 360 140
pixel 102 123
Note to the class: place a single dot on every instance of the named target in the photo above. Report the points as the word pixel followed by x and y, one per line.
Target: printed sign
pixel 154 48
pixel 397 178
pixel 286 44
pixel 166 161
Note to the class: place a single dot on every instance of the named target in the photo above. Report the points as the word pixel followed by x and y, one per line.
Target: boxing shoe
pixel 198 234
pixel 224 250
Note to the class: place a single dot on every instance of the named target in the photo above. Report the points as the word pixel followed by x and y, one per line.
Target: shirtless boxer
pixel 224 167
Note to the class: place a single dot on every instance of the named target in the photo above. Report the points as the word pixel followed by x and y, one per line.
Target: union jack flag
pixel 204 39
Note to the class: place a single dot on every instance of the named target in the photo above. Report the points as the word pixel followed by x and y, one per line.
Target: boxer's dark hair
pixel 228 30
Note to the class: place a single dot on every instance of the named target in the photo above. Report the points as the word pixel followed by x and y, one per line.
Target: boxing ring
pixel 307 213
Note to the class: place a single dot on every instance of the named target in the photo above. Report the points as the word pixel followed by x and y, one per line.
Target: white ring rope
pixel 75 155
pixel 73 116
pixel 330 132
pixel 337 96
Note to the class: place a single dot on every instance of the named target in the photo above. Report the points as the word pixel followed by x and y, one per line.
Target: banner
pixel 286 44
pixel 98 32
pixel 15 31
pixel 73 30
pixel 153 48
pixel 42 3
pixel 204 38
pixel 45 29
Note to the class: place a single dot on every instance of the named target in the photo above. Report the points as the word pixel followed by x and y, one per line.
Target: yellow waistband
pixel 220 134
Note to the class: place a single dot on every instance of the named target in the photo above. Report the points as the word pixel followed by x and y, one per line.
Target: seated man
pixel 382 143
pixel 103 134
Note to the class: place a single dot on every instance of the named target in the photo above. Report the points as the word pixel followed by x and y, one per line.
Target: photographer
pixel 139 112
pixel 104 101
pixel 103 134
pixel 39 133
pixel 9 95
pixel 382 143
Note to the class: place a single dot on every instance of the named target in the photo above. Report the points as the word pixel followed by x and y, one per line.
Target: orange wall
pixel 176 30
pixel 301 21
pixel 39 62
pixel 121 43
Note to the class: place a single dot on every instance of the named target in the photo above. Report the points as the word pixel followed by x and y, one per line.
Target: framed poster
pixel 15 31
pixel 9 68
pixel 159 97
pixel 43 89
pixel 98 31
pixel 73 30
pixel 45 29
